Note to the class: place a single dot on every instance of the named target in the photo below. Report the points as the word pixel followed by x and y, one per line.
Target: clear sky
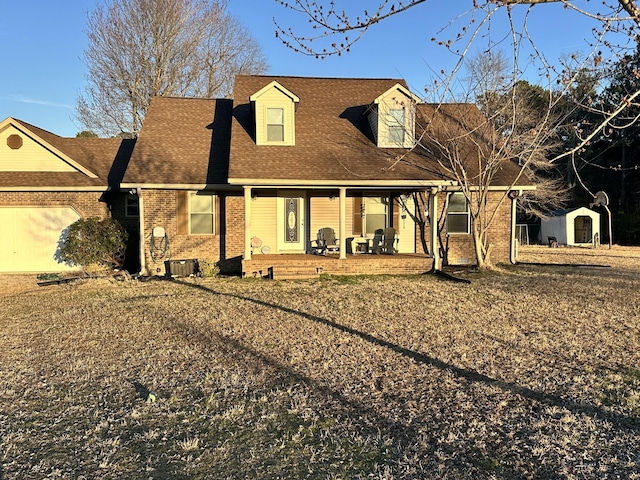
pixel 42 72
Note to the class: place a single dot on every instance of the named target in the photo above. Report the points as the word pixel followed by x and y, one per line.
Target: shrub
pixel 93 241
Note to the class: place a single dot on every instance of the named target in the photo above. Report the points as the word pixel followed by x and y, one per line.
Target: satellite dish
pixel 601 199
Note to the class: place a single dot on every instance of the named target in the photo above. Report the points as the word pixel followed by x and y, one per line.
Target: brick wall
pixel 87 204
pixel 460 248
pixel 160 210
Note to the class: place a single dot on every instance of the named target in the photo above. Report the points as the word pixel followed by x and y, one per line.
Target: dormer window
pixel 274 110
pixel 392 118
pixel 275 124
pixel 396 125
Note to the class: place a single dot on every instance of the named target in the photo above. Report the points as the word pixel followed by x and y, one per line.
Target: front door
pixel 291 237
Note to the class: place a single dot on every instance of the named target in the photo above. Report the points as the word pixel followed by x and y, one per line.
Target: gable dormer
pixel 392 118
pixel 274 110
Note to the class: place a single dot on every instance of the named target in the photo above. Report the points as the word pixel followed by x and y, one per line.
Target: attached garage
pixel 31 238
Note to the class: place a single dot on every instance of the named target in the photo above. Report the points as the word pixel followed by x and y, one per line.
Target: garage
pixel 31 236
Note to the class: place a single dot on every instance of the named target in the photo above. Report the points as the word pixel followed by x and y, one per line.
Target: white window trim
pixel 283 124
pixel 466 213
pixel 213 214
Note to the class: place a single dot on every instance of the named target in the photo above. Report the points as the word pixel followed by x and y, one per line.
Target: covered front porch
pixel 285 222
pixel 305 266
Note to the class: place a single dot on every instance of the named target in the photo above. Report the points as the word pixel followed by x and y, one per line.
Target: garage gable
pixel 22 150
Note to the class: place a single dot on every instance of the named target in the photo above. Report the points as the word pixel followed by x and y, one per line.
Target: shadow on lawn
pixel 470 375
pixel 231 345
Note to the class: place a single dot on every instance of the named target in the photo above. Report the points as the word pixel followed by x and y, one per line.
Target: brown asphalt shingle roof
pixel 183 141
pixel 187 141
pixel 98 155
pixel 333 140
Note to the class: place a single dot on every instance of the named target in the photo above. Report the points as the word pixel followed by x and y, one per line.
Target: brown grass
pixel 528 372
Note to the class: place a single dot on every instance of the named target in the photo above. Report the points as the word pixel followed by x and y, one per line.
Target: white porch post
pixel 433 215
pixel 247 223
pixel 342 227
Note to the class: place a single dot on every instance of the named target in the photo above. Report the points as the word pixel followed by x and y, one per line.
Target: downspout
pixel 433 214
pixel 513 254
pixel 141 247
pixel 342 227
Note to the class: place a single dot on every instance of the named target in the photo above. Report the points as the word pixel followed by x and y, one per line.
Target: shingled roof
pixel 190 143
pixel 184 141
pixel 97 156
pixel 333 140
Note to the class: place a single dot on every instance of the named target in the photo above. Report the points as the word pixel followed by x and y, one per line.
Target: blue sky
pixel 42 70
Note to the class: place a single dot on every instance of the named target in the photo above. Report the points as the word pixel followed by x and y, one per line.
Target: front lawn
pixel 529 372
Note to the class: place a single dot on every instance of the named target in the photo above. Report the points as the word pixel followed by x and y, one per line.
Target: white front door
pixel 291 236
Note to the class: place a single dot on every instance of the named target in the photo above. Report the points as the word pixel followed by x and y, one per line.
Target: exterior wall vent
pixel 14 141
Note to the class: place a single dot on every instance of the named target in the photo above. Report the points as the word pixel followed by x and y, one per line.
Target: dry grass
pixel 529 372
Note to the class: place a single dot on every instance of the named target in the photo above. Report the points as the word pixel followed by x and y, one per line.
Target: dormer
pixel 274 110
pixel 392 118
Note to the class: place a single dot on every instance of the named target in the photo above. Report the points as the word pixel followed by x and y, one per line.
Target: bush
pixel 92 241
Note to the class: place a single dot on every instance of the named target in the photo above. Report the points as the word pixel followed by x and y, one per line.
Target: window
pixel 131 206
pixel 375 214
pixel 202 213
pixel 275 125
pixel 458 214
pixel 396 126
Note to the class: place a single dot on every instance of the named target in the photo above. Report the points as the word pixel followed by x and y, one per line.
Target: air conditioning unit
pixel 181 268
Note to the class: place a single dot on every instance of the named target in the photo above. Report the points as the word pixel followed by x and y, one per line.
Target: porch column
pixel 433 215
pixel 342 227
pixel 247 223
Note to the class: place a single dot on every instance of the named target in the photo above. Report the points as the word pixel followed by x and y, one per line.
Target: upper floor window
pixel 396 126
pixel 275 124
pixel 458 217
pixel 202 214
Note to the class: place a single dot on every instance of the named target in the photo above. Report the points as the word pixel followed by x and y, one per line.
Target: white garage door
pixel 30 238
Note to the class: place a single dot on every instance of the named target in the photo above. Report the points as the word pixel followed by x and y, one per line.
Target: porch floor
pixel 301 266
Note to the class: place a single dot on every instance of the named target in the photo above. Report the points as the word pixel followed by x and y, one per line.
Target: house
pixel 247 183
pixel 46 183
pixel 575 226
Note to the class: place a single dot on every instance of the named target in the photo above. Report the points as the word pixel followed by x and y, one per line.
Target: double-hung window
pixel 131 206
pixel 275 124
pixel 396 126
pixel 375 217
pixel 458 218
pixel 202 214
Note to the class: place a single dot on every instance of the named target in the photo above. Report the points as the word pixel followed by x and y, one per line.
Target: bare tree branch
pixel 141 48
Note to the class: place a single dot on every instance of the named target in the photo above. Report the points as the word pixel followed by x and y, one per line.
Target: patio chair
pixel 326 242
pixel 389 241
pixel 376 240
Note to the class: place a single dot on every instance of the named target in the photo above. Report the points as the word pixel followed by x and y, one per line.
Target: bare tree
pixel 141 48
pixel 520 128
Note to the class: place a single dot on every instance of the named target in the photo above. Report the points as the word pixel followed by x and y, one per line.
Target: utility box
pixel 181 268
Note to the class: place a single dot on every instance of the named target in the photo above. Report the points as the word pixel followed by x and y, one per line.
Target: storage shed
pixel 577 226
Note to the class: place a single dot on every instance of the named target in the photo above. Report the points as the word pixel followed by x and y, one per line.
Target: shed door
pixel 30 238
pixel 583 229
